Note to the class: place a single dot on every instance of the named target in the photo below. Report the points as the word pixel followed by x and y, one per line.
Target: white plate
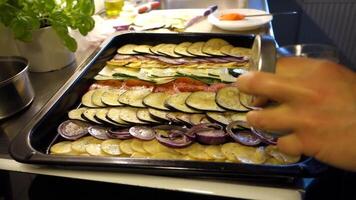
pixel 239 25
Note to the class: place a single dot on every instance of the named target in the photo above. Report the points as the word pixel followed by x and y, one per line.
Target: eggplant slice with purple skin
pixel 208 133
pixel 119 133
pixel 240 132
pixel 73 129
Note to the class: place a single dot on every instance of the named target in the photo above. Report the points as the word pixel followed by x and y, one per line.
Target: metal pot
pixel 16 91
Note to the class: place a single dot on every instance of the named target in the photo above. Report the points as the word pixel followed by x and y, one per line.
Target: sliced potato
pixel 155 49
pixel 196 49
pixel 128 114
pixel 81 144
pixel 154 147
pixel 137 146
pixel 197 151
pixel 143 115
pixel 156 100
pixel 63 147
pixel 165 156
pixel 251 155
pixel 143 49
pixel 158 114
pixel 114 115
pixel 168 49
pixel 202 100
pixel 229 149
pixel 127 49
pixel 213 46
pixel 111 97
pixel 225 50
pixel 111 147
pixel 177 102
pixel 89 114
pixel 96 97
pixel 274 152
pixel 273 161
pixel 125 147
pixel 77 114
pixel 215 152
pixel 182 49
pixel 134 97
pixel 228 98
pixel 94 149
pixel 140 155
pixel 86 99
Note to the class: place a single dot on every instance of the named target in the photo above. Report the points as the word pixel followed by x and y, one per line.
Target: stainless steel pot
pixel 16 91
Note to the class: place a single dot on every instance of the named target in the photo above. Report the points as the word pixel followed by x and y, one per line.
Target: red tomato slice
pixel 137 83
pixel 215 87
pixel 167 87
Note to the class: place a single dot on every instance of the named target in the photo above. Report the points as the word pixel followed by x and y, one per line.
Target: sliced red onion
pixel 265 136
pixel 73 129
pixel 98 132
pixel 211 137
pixel 243 135
pixel 178 140
pixel 170 127
pixel 122 133
pixel 142 132
pixel 218 60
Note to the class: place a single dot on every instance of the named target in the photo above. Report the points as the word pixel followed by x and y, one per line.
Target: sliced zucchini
pixel 143 49
pixel 196 119
pixel 223 118
pixel 111 97
pixel 228 98
pixel 155 49
pixel 213 46
pixel 134 97
pixel 181 49
pixel 144 115
pixel 225 50
pixel 156 100
pixel 168 49
pixel 96 97
pixel 77 114
pixel 87 100
pixel 202 100
pixel 196 49
pixel 127 49
pixel 89 115
pixel 158 114
pixel 240 51
pixel 128 114
pixel 101 115
pixel 114 115
pixel 177 102
pixel 162 80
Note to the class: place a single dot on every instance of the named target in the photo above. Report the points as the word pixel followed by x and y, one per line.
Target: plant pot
pixel 46 51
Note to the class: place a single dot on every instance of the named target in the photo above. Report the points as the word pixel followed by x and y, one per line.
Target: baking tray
pixel 32 143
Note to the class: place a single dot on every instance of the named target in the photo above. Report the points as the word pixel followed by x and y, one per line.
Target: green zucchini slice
pixel 111 97
pixel 128 114
pixel 156 100
pixel 213 46
pixel 89 114
pixel 114 115
pixel 228 98
pixel 77 114
pixel 87 100
pixel 134 97
pixel 177 102
pixel 181 49
pixel 202 100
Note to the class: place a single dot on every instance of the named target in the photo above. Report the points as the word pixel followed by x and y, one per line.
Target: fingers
pixel 277 119
pixel 266 85
pixel 290 144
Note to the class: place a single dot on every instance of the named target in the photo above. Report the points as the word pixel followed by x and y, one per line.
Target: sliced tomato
pixel 215 87
pixel 189 85
pixel 167 87
pixel 137 83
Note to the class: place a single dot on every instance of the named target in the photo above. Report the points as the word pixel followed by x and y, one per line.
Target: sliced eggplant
pixel 128 114
pixel 196 49
pixel 143 49
pixel 96 97
pixel 144 115
pixel 127 49
pixel 111 97
pixel 213 46
pixel 155 49
pixel 239 116
pixel 228 98
pixel 184 117
pixel 114 115
pixel 196 119
pixel 222 118
pixel 181 49
pixel 202 100
pixel 173 117
pixel 168 49
pixel 156 100
pixel 77 114
pixel 177 102
pixel 89 115
pixel 158 114
pixel 134 97
pixel 239 52
pixel 101 115
pixel 87 100
pixel 225 50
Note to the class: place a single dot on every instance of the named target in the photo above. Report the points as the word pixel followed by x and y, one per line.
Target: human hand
pixel 316 105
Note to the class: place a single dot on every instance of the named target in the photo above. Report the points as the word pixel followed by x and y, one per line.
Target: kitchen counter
pixel 47 84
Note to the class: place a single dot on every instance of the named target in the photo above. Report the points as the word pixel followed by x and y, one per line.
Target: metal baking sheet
pixel 32 143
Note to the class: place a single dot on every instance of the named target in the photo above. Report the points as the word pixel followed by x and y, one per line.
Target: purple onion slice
pixel 98 132
pixel 211 136
pixel 73 129
pixel 119 133
pixel 191 133
pixel 265 136
pixel 239 131
pixel 142 132
pixel 172 136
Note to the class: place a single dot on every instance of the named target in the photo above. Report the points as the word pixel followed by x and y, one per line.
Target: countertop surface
pixel 47 84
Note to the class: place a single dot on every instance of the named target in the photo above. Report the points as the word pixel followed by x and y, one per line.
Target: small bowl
pixel 239 25
pixel 16 91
